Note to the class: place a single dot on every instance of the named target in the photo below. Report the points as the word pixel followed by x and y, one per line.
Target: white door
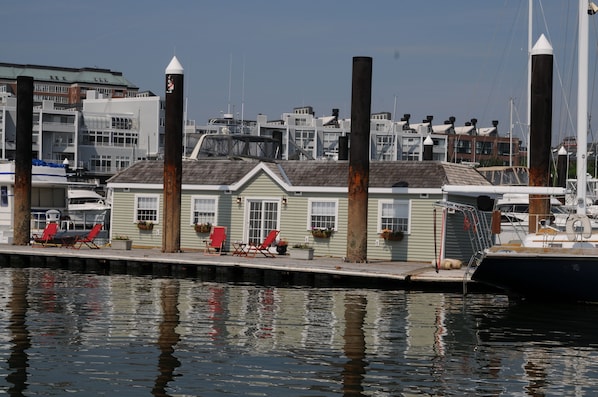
pixel 262 218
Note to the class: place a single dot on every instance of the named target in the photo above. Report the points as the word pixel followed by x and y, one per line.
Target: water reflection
pixel 168 337
pixel 19 335
pixel 354 337
pixel 139 336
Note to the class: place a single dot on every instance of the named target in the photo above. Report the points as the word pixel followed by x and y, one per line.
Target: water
pixel 64 333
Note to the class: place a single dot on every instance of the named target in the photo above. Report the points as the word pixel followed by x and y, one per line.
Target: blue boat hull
pixel 541 277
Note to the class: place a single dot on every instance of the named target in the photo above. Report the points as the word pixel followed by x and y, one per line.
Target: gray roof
pixel 96 76
pixel 387 174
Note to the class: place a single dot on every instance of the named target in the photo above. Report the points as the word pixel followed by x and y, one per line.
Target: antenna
pixel 230 74
pixel 243 97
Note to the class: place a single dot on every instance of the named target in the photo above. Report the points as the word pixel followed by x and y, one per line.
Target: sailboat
pixel 553 264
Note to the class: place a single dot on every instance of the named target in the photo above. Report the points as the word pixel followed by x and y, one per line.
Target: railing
pixel 75 220
pixel 479 232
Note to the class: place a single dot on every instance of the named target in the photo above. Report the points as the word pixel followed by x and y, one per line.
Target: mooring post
pixel 359 160
pixel 23 158
pixel 173 158
pixel 561 167
pixel 540 130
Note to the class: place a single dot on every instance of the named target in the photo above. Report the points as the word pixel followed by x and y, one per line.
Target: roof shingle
pixel 385 174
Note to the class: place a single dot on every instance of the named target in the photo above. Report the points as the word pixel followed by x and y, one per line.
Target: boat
pixel 48 193
pixel 550 264
pixel 85 208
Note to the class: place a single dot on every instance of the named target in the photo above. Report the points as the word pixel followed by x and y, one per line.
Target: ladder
pixel 474 221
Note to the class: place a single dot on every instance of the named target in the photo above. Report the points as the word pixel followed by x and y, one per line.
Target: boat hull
pixel 542 274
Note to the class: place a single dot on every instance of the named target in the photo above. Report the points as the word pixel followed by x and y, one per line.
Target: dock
pixel 280 270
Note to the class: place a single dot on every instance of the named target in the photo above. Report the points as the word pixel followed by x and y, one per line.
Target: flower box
pixel 203 227
pixel 281 247
pixel 302 253
pixel 121 244
pixel 321 233
pixel 145 226
pixel 392 235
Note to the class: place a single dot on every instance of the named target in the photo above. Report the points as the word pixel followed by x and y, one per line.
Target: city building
pixel 305 136
pixel 66 86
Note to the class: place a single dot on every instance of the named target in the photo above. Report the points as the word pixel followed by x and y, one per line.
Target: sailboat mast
pixel 511 132
pixel 530 33
pixel 582 106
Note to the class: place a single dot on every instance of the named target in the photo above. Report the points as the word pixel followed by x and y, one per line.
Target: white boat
pixel 553 264
pixel 48 192
pixel 85 208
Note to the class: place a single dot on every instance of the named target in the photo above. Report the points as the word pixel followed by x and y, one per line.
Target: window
pixel 464 147
pixel 385 146
pixel 394 215
pixel 146 208
pixel 100 163
pixel 483 147
pixel 122 162
pixel 203 210
pixel 323 214
pixel 504 148
pixel 3 196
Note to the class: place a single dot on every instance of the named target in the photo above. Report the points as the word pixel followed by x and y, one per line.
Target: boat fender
pixel 449 263
pixel 573 222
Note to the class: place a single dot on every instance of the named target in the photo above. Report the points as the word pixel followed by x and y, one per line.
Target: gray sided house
pixel 250 198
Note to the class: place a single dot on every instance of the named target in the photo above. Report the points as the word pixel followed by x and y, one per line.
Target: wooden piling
pixel 359 160
pixel 173 158
pixel 540 130
pixel 23 158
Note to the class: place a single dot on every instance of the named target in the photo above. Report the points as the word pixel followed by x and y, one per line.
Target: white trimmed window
pixel 203 209
pixel 394 215
pixel 146 207
pixel 323 214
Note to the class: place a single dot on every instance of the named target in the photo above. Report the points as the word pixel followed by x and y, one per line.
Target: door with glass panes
pixel 262 217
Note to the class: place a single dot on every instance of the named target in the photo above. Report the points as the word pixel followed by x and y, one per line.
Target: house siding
pixel 458 238
pixel 415 245
pixel 123 219
pixel 293 221
pixel 300 182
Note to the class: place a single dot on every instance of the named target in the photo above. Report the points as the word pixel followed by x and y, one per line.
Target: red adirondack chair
pixel 263 247
pixel 89 238
pixel 47 235
pixel 215 244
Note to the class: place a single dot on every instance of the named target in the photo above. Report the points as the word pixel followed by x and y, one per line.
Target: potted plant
pixel 391 235
pixel 203 227
pixel 121 242
pixel 302 251
pixel 145 225
pixel 281 247
pixel 321 232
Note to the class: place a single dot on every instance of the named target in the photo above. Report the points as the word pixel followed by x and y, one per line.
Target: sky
pixel 461 58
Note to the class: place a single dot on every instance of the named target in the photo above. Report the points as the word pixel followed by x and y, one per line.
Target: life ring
pixel 101 202
pixel 572 223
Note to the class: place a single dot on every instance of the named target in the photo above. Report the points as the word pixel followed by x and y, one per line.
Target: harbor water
pixel 65 333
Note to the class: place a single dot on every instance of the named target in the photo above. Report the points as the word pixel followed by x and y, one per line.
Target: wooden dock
pixel 321 271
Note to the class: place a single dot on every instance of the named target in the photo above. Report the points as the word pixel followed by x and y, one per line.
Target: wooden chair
pixel 263 247
pixel 47 236
pixel 89 238
pixel 215 244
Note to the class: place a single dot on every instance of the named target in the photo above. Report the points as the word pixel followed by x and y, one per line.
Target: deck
pixel 281 269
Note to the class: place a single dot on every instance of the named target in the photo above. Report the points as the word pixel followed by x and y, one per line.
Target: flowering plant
pixel 322 232
pixel 302 246
pixel 121 237
pixel 145 225
pixel 203 227
pixel 391 235
pixel 282 243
